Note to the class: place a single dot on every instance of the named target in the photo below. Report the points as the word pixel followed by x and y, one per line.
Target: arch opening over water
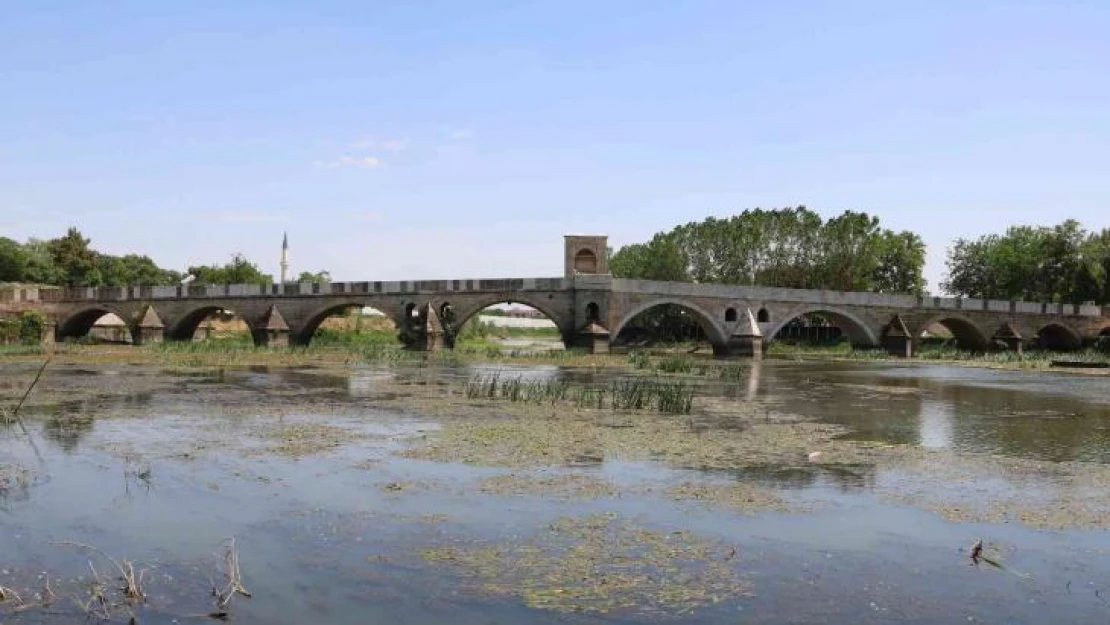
pixel 348 324
pixel 212 323
pixel 953 330
pixel 96 324
pixel 504 326
pixel 1058 336
pixel 823 325
pixel 667 321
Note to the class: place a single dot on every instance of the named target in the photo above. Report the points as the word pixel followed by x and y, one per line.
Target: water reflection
pixel 366 383
pixel 936 423
pixel 1012 413
pixel 841 478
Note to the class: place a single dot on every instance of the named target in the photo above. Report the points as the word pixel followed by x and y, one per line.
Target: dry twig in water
pixel 7 594
pixel 132 582
pixel 234 582
pixel 15 412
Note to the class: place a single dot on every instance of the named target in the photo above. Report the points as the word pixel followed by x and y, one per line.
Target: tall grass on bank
pixel 669 397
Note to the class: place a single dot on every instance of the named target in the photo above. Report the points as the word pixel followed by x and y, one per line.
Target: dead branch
pixel 234 583
pixel 132 582
pixel 7 594
pixel 15 412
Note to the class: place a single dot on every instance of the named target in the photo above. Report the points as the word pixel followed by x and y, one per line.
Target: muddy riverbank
pixel 795 492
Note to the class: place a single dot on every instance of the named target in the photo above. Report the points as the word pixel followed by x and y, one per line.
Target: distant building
pixel 284 257
pixel 524 313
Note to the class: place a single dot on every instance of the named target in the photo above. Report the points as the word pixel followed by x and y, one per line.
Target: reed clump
pixel 664 396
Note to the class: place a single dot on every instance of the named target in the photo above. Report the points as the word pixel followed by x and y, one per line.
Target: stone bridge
pixel 586 304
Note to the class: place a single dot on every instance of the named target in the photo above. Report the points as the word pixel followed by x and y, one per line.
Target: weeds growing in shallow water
pixel 517 389
pixel 632 394
pixel 660 395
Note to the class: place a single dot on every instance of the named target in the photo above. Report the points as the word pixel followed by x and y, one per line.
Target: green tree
pixel 901 264
pixel 133 269
pixel 790 247
pixel 659 259
pixel 320 277
pixel 41 268
pixel 13 261
pixel 1062 263
pixel 238 271
pixel 75 259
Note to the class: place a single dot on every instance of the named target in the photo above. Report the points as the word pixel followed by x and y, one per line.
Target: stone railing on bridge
pixel 145 293
pixel 853 298
pixel 589 282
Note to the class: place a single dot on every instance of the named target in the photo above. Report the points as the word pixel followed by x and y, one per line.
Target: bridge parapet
pixel 582 282
pixel 851 298
pixel 147 293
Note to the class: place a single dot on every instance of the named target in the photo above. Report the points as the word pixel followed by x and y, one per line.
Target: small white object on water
pixel 814 456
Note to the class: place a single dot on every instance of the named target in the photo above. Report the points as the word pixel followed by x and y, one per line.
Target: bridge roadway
pixel 587 308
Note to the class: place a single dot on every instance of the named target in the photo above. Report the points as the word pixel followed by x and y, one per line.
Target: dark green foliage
pixel 133 269
pixel 76 260
pixel 1063 263
pixel 25 329
pixel 71 261
pixel 13 261
pixel 41 268
pixel 238 271
pixel 790 247
pixel 320 277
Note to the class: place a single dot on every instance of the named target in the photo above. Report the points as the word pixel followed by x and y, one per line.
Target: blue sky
pixel 462 139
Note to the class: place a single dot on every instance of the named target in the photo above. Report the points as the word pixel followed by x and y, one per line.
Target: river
pixel 335 521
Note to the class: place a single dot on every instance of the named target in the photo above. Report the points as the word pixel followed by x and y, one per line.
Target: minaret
pixel 284 257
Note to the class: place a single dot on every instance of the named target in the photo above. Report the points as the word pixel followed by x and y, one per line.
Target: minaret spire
pixel 284 257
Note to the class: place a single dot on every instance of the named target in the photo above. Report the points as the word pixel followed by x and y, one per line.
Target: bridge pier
pixel 1010 337
pixel 593 337
pixel 272 331
pixel 149 329
pixel 745 341
pixel 897 340
pixel 49 333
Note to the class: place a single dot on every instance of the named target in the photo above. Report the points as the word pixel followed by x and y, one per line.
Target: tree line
pixel 789 247
pixel 70 260
pixel 1063 263
pixel 796 248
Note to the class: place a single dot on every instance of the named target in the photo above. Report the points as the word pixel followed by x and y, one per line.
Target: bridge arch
pixel 967 334
pixel 856 329
pixel 705 320
pixel 185 327
pixel 466 308
pixel 1058 335
pixel 78 323
pixel 304 334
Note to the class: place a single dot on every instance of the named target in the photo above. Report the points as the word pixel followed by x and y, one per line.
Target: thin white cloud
pixel 364 162
pixel 461 134
pixel 368 216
